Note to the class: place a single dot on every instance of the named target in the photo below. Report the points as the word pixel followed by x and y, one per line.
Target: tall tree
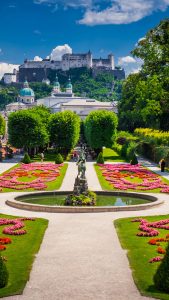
pixel 64 130
pixel 154 50
pixel 26 129
pixel 100 129
pixel 145 95
pixel 2 125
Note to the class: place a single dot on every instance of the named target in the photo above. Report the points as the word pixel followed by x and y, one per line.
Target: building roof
pixel 87 102
pixel 15 104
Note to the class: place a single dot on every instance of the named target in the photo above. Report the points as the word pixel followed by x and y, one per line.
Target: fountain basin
pixel 120 205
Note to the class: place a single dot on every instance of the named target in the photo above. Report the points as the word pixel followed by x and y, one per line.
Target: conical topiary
pixel 161 277
pixel 100 158
pixel 3 273
pixel 134 160
pixel 26 159
pixel 58 159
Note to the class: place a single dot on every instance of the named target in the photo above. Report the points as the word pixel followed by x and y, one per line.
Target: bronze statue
pixel 81 165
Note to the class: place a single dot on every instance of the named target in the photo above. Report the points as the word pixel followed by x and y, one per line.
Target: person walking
pixel 42 156
pixel 162 165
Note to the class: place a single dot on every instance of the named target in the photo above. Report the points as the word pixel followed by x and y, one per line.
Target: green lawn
pixel 53 185
pixel 139 253
pixel 20 254
pixel 112 155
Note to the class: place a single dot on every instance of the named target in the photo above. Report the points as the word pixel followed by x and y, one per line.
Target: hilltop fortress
pixel 39 70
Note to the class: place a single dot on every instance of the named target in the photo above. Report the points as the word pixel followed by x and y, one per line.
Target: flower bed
pixel 132 177
pixel 147 229
pixel 40 173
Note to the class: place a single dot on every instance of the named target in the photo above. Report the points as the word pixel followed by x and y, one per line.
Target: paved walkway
pixel 153 167
pixel 81 257
pixel 9 163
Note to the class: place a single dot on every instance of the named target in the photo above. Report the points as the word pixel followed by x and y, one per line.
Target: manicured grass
pixel 47 157
pixel 139 253
pixel 53 185
pixel 103 182
pixel 20 254
pixel 107 186
pixel 112 155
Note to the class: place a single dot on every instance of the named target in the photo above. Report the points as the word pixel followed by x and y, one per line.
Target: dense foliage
pixel 161 278
pixel 64 130
pixel 154 144
pixel 103 87
pixel 27 129
pixel 145 94
pixel 40 89
pixel 58 159
pixel 3 273
pixel 154 136
pixel 100 129
pixel 2 125
pixel 8 94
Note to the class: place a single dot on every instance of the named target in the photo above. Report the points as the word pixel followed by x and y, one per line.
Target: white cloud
pixel 125 60
pixel 123 12
pixel 7 68
pixel 69 3
pixel 101 12
pixel 37 58
pixel 57 52
pixel 130 64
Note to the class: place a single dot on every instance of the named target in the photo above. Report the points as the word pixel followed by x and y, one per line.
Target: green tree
pixel 154 50
pixel 129 116
pixel 2 125
pixel 64 130
pixel 41 89
pixel 27 130
pixel 100 129
pixel 161 277
pixel 44 113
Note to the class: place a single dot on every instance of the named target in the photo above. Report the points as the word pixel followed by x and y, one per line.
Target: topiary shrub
pixel 161 277
pixel 134 160
pixel 3 273
pixel 100 158
pixel 26 159
pixel 58 159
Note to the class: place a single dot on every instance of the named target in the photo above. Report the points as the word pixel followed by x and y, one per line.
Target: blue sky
pixel 32 28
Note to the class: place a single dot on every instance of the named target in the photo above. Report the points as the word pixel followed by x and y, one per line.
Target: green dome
pixel 26 92
pixel 56 83
pixel 69 86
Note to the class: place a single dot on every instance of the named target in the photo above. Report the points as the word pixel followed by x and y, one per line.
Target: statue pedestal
pixel 80 186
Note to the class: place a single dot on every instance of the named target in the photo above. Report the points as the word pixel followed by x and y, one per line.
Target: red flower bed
pixel 147 230
pixel 44 172
pixel 121 176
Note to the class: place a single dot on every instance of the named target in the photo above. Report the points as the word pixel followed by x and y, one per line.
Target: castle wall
pixel 36 71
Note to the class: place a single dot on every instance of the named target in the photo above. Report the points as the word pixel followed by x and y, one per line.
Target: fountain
pixel 81 199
